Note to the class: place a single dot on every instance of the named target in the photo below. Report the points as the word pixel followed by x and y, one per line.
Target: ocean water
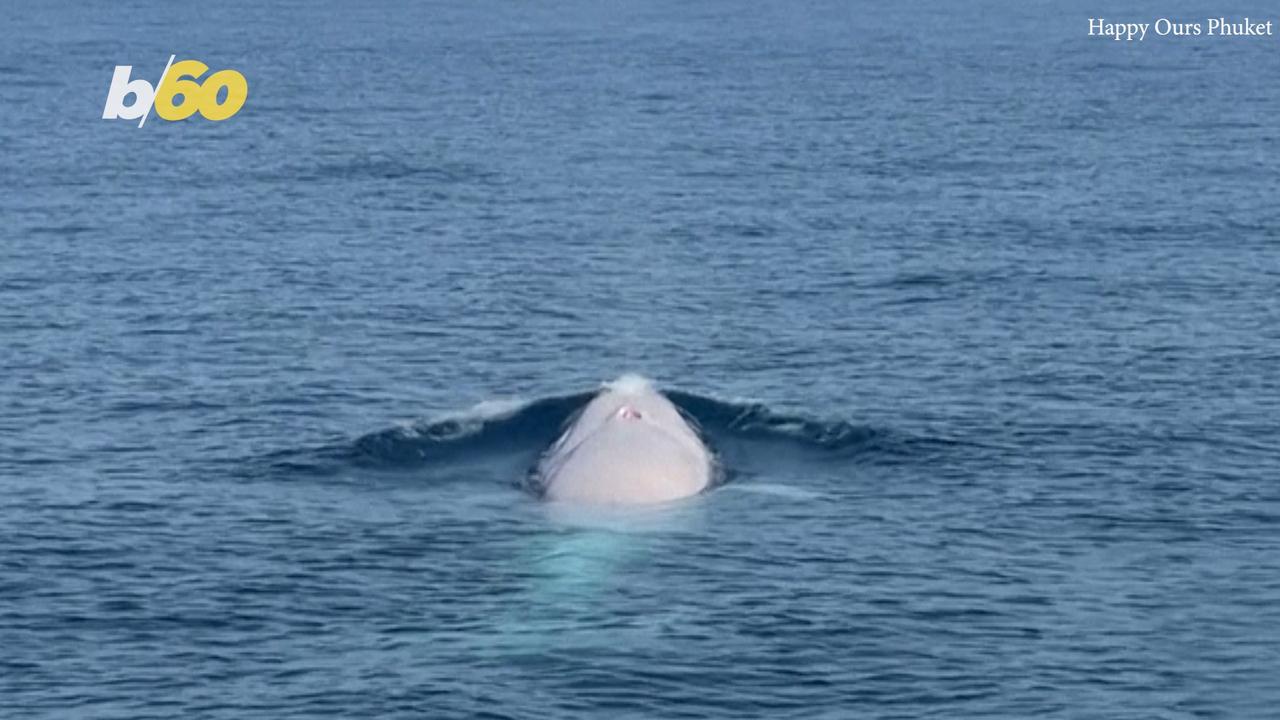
pixel 979 313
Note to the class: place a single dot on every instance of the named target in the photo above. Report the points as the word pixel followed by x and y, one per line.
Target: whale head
pixel 628 446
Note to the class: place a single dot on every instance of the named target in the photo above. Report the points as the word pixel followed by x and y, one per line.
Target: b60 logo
pixel 178 95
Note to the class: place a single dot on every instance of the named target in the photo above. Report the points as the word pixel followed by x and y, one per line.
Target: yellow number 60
pixel 195 96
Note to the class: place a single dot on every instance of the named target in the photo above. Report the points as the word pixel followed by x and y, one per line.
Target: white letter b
pixel 122 87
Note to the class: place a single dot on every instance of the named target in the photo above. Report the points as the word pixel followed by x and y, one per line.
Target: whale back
pixel 629 445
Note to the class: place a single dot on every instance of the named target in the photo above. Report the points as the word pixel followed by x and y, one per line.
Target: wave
pixel 756 421
pixel 509 427
pixel 491 427
pixel 746 438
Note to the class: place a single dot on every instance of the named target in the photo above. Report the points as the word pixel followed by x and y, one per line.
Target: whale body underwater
pixel 629 445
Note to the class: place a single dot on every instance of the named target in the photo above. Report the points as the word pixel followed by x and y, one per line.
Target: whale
pixel 629 445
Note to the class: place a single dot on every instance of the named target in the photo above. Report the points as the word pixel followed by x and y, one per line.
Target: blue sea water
pixel 980 314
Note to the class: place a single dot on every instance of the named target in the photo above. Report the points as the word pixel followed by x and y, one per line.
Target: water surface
pixel 979 312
